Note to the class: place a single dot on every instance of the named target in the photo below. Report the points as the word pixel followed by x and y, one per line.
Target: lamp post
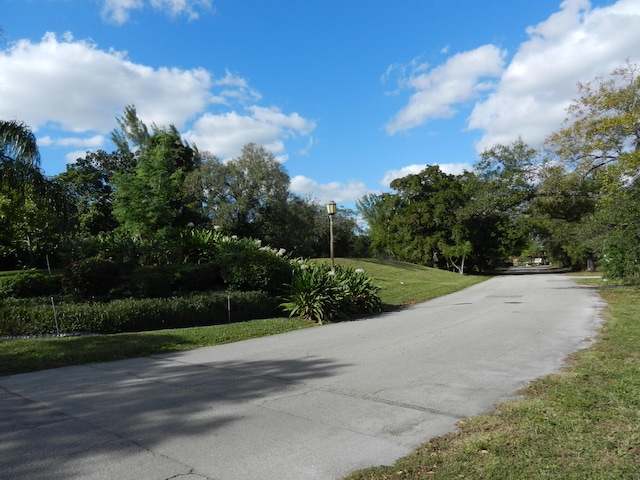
pixel 331 210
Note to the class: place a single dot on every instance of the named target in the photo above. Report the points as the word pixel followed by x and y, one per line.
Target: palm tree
pixel 18 143
pixel 22 187
pixel 19 156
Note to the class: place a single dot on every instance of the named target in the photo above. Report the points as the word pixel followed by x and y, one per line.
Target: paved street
pixel 311 404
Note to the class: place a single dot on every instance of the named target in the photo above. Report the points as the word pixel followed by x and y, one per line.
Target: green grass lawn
pixel 400 283
pixel 582 423
pixel 405 283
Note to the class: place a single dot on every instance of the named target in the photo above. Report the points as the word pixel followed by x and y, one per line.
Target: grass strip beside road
pixel 31 354
pixel 401 284
pixel 577 424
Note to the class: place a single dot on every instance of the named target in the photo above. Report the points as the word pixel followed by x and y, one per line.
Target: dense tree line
pixel 576 198
pixel 149 199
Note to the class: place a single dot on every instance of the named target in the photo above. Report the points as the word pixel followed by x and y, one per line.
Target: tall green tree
pixel 602 125
pixel 441 220
pixel 33 210
pixel 18 144
pixel 378 210
pixel 151 199
pixel 600 145
pixel 88 183
pixel 414 223
pixel 501 190
pixel 508 177
pixel 247 195
pixel 133 134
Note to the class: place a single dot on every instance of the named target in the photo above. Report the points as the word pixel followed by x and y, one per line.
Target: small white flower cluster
pixel 277 253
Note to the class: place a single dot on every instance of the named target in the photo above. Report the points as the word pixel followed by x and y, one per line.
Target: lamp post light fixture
pixel 331 210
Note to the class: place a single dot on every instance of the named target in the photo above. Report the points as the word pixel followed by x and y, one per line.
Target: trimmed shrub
pixel 29 284
pixel 93 277
pixel 154 282
pixel 197 278
pixel 244 265
pixel 20 317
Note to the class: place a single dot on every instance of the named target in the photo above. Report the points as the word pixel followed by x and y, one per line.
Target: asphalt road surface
pixel 311 404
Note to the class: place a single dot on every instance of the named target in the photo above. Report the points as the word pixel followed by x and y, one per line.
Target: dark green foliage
pixel 19 317
pixel 93 277
pixel 199 245
pixel 198 278
pixel 360 294
pixel 150 200
pixel 244 265
pixel 318 294
pixel 165 281
pixel 622 256
pixel 154 282
pixel 237 264
pixel 244 196
pixel 87 182
pixel 29 284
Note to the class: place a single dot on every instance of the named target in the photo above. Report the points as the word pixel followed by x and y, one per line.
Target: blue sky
pixel 348 94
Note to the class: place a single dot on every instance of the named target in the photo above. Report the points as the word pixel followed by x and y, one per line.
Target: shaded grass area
pixel 581 423
pixel 401 284
pixel 26 355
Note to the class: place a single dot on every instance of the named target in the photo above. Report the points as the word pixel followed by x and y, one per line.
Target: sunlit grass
pixel 405 283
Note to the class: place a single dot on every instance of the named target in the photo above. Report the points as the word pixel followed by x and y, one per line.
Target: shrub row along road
pixel 310 404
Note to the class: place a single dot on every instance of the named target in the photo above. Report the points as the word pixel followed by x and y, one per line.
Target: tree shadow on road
pixel 52 423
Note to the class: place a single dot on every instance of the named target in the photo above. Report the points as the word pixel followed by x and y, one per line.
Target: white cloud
pixel 75 86
pixel 336 191
pixel 449 168
pixel 455 168
pixel 225 134
pixel 119 11
pixel 575 44
pixel 234 89
pixel 95 141
pixel 72 157
pixel 71 86
pixel 438 91
pixel 391 175
pixel 529 97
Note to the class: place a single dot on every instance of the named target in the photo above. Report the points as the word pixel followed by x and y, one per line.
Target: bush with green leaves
pixel 36 316
pixel 621 259
pixel 93 276
pixel 151 282
pixel 200 245
pixel 246 265
pixel 319 294
pixel 29 284
pixel 197 277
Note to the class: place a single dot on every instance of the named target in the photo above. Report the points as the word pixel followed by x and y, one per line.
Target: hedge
pixel 29 284
pixel 20 317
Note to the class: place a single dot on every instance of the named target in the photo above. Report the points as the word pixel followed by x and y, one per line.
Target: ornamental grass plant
pixel 319 293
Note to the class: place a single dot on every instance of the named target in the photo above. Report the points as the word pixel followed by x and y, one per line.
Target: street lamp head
pixel 331 208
